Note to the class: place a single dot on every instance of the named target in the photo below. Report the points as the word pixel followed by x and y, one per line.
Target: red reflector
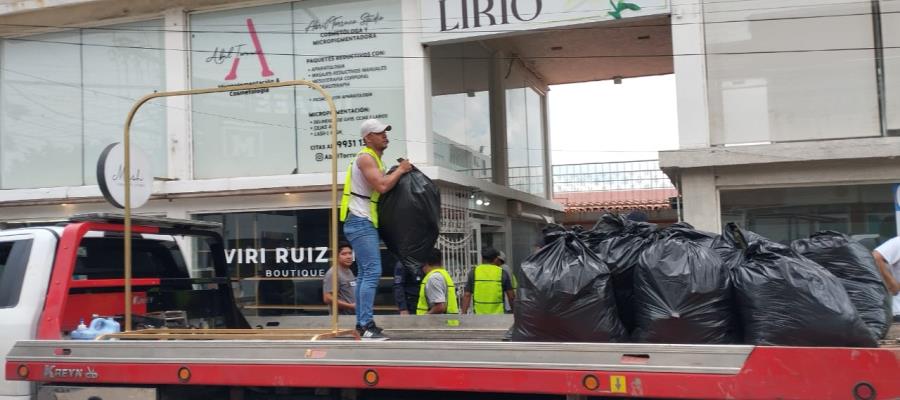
pixel 184 374
pixel 864 391
pixel 590 382
pixel 370 377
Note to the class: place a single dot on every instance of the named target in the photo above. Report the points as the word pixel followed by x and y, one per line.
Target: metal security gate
pixel 458 238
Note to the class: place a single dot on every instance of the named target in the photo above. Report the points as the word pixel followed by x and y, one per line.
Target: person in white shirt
pixel 887 258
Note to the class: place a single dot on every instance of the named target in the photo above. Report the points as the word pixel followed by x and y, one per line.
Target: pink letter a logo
pixel 232 75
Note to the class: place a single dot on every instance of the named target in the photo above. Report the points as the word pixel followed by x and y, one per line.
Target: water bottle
pixel 82 332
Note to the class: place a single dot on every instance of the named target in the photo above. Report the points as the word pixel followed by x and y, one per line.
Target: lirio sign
pixel 111 175
pixel 449 20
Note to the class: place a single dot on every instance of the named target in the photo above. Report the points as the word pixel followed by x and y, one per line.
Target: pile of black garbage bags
pixel 628 281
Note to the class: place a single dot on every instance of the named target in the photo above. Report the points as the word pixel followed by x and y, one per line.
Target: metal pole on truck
pixel 126 143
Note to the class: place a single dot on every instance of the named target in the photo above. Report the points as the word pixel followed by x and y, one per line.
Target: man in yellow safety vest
pixel 437 294
pixel 487 283
pixel 364 182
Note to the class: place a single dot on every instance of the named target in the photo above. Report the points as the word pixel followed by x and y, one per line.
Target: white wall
pixel 775 71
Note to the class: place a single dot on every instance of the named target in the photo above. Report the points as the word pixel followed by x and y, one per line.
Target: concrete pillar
pixel 689 43
pixel 701 199
pixel 416 89
pixel 498 68
pixel 178 121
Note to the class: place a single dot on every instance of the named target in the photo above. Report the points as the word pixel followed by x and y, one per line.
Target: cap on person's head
pixel 489 253
pixel 501 256
pixel 372 126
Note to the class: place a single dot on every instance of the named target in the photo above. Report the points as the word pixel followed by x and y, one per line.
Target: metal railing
pixel 610 176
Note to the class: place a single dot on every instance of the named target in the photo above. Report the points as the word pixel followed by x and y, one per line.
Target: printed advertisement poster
pixel 350 48
pixel 354 51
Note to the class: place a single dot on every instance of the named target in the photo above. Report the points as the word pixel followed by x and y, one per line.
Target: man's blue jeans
pixel 363 237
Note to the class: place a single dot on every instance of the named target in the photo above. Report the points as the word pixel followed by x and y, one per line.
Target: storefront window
pixel 243 133
pixel 864 212
pixel 63 97
pixel 342 46
pixel 279 259
pixel 41 111
pixel 121 66
pixel 770 82
pixel 460 108
pixel 525 140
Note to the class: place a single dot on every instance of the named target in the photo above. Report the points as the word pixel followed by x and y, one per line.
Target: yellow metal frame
pixel 126 143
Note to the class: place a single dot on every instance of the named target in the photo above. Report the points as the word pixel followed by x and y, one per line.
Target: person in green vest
pixel 437 294
pixel 364 183
pixel 487 283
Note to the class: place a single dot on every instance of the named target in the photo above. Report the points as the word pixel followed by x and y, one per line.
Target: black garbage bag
pixel 854 265
pixel 787 299
pixel 564 294
pixel 687 231
pixel 683 294
pixel 619 244
pixel 409 218
pixel 732 243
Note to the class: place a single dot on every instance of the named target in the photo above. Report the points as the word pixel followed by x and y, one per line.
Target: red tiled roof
pixel 616 200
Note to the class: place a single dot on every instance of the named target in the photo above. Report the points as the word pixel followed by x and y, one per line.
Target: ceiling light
pixel 479 202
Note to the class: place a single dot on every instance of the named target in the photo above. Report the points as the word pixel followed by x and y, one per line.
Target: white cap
pixel 372 126
pixel 501 256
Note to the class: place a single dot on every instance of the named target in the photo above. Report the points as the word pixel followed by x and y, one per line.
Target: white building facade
pixel 789 116
pixel 450 77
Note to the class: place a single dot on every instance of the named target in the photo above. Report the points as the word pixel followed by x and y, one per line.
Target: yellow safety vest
pixel 373 199
pixel 488 289
pixel 452 308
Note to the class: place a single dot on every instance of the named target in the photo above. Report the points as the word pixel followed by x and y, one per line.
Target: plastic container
pixel 99 326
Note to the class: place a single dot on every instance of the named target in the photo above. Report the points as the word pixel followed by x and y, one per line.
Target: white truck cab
pixel 26 259
pixel 52 278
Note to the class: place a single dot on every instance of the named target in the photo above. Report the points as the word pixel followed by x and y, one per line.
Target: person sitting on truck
pixel 363 185
pixel 437 294
pixel 346 282
pixel 487 283
pixel 887 258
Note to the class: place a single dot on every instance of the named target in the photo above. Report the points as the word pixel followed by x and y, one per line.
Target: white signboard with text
pixel 453 20
pixel 353 50
pixel 350 48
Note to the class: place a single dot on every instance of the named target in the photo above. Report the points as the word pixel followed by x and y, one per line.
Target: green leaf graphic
pixel 621 6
